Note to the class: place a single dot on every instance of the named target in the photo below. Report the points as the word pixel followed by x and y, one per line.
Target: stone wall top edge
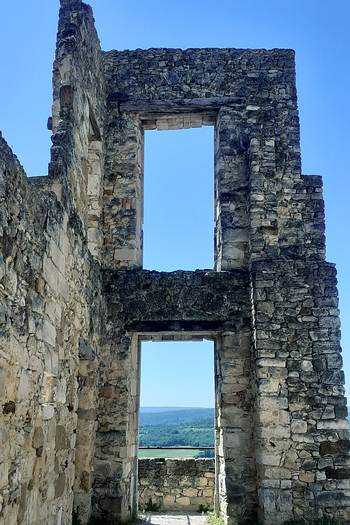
pixel 170 74
pixel 312 180
pixel 282 52
pixel 75 5
pixel 40 182
pixel 135 271
pixel 111 274
pixel 70 2
pixel 9 158
pixel 34 190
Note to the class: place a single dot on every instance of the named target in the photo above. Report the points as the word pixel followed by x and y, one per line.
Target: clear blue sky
pixel 177 374
pixel 317 29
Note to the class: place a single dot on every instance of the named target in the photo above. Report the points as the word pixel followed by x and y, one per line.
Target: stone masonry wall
pixel 251 98
pixel 48 310
pixel 176 304
pixel 176 484
pixel 75 303
pixel 302 446
pixel 50 302
pixel 78 115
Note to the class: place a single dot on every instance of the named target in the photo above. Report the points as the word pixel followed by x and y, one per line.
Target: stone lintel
pixel 181 301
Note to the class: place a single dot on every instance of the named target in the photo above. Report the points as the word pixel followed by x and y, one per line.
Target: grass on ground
pixel 168 453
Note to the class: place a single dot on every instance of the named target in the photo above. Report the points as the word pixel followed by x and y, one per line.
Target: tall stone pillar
pixel 235 460
pixel 123 192
pixel 301 426
pixel 115 467
pixel 231 192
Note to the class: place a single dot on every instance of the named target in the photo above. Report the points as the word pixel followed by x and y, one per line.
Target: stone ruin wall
pixel 50 304
pixel 75 302
pixel 48 313
pixel 176 484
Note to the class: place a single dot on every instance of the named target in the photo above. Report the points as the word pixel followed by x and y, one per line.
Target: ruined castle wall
pixel 176 484
pixel 301 434
pixel 78 114
pixel 50 296
pixel 174 305
pixel 265 210
pixel 47 310
pixel 76 304
pixel 250 97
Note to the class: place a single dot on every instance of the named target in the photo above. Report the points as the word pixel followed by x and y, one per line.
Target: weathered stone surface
pixel 75 301
pixel 179 485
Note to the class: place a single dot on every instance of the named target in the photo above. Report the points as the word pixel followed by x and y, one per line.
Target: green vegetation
pixel 214 519
pixel 195 434
pixel 186 427
pixel 169 453
pixel 173 416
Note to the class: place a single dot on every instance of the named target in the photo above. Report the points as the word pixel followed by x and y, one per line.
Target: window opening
pixel 179 199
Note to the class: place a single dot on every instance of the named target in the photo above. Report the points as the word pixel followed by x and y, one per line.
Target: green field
pixel 168 453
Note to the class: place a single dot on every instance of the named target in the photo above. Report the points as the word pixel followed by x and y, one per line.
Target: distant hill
pixel 176 426
pixel 175 415
pixel 164 409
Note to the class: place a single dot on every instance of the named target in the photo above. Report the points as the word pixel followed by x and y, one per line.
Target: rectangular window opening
pixel 179 199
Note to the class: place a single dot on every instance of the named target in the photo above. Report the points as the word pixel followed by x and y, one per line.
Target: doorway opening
pixel 177 426
pixel 179 199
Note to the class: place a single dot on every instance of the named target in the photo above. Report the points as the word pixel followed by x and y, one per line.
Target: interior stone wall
pixel 50 300
pixel 75 302
pixel 176 484
pixel 49 309
pixel 139 304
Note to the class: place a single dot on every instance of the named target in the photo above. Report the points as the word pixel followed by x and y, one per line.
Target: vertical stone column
pixel 231 193
pixel 274 451
pixel 301 433
pixel 235 463
pixel 86 429
pixel 115 483
pixel 78 103
pixel 123 192
pixel 263 198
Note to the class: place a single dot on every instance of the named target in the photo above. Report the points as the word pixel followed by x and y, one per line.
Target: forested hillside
pixel 174 427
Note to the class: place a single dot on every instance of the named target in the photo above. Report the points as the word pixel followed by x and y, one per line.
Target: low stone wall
pixel 176 484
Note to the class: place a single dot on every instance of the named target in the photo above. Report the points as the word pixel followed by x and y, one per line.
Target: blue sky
pixel 317 30
pixel 177 374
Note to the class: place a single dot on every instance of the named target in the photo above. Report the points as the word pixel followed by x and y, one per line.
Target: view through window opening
pixel 177 414
pixel 179 199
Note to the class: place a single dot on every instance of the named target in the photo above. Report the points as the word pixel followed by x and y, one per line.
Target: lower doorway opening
pixel 176 465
